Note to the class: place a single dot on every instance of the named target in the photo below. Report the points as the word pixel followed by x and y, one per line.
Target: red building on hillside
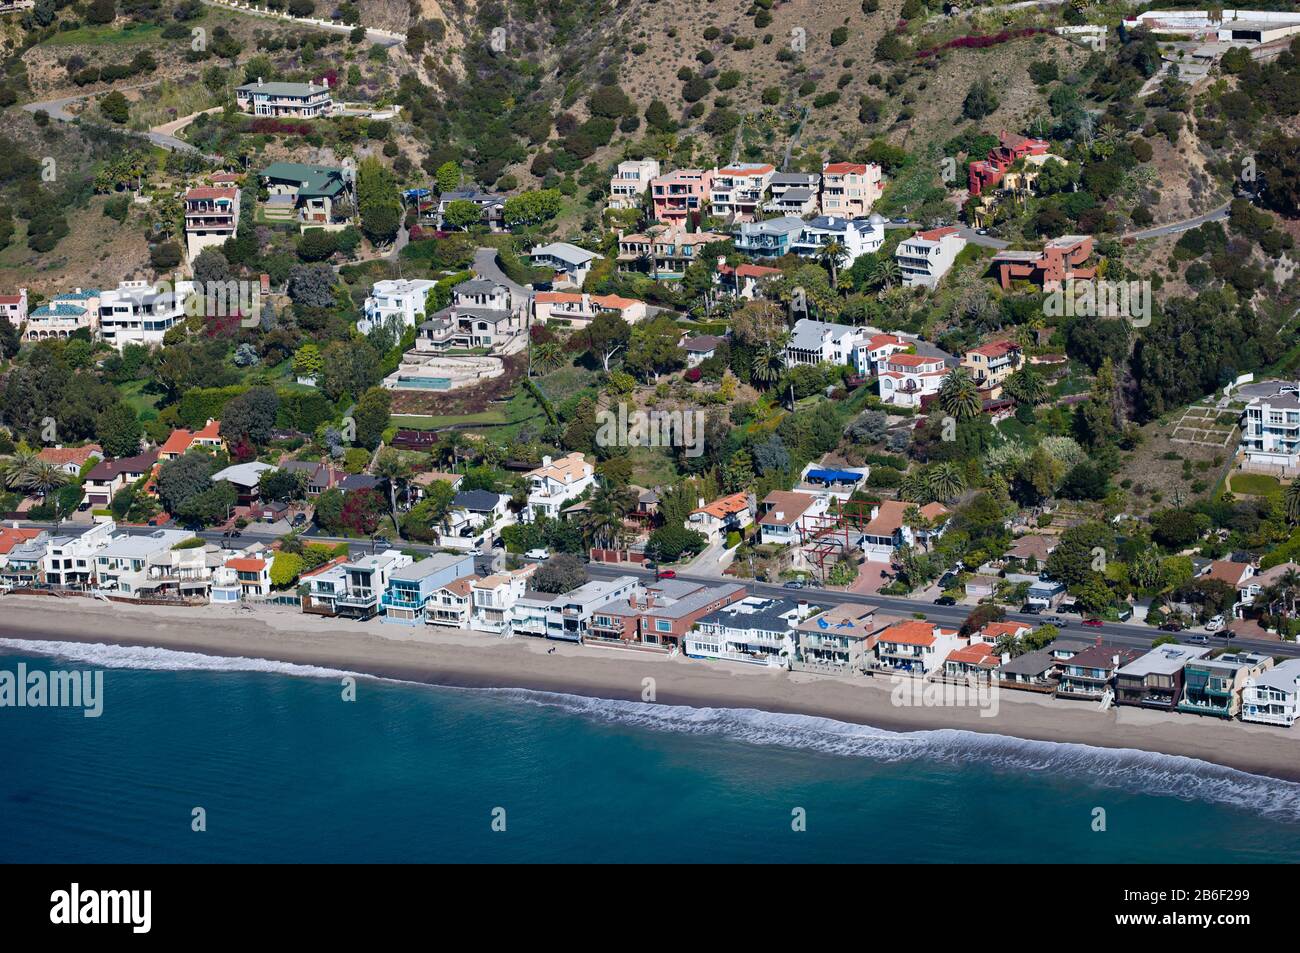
pixel 985 174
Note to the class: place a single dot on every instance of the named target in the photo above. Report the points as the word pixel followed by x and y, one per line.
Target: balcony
pixel 359 598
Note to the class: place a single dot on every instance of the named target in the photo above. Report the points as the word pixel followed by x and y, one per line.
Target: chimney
pixel 700 505
pixel 1006 657
pixel 546 461
pixel 259 81
pixel 1114 660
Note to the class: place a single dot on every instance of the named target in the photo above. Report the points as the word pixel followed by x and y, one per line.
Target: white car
pixel 542 553
pixel 1215 624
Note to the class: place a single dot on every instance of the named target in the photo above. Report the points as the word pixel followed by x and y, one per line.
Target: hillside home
pixel 246 478
pixel 630 182
pixel 1061 260
pixel 109 476
pixel 475 518
pixel 578 310
pixel 855 236
pixel 180 441
pixel 70 459
pixel 483 314
pixel 794 193
pixel 755 629
pixel 849 189
pixel 1270 429
pixel 137 312
pixel 700 349
pixel 416 592
pixel 296 100
pixel 307 194
pixel 782 516
pixel 906 378
pixel 557 482
pixel 724 515
pixel 737 191
pixel 743 280
pixel 770 238
pixel 991 364
pixel 816 342
pixel 1215 686
pixel 13 307
pixel 987 173
pixel 928 255
pixel 570 263
pixel 889 529
pixel 403 299
pixel 664 252
pixel 492 208
pixel 1273 697
pixel 677 195
pixel 64 314
pixel 211 217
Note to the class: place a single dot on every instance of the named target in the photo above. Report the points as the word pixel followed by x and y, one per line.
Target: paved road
pixel 57 109
pixel 1125 634
pixel 485 266
pixel 970 234
pixel 1214 215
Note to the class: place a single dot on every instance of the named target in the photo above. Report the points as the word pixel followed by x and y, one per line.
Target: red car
pixel 666 574
pixel 1093 623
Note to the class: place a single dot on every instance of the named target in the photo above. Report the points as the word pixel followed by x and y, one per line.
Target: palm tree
pixel 451 447
pixel 914 488
pixel 395 471
pixel 959 396
pixel 769 365
pixel 832 254
pixel 945 480
pixel 44 477
pixel 1025 387
pixel 549 355
pixel 14 470
pixel 884 273
pixel 916 521
pixel 1292 501
pixel 606 510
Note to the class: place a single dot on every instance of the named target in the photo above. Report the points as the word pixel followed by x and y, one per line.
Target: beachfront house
pixel 1273 697
pixel 1215 686
pixel 493 598
pixel 414 592
pixel 1155 680
pixel 756 629
pixel 122 564
pixel 914 647
pixel 353 589
pixel 557 482
pixel 1089 675
pixel 838 641
pixel 567 616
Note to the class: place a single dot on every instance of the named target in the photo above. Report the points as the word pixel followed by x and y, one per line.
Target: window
pixel 663 625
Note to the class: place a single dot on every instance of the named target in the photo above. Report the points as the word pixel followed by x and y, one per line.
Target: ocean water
pixel 285 770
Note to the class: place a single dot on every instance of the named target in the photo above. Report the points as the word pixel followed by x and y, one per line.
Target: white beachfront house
pixel 556 482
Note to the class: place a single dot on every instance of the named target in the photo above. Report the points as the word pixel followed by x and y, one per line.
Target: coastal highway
pixel 1129 635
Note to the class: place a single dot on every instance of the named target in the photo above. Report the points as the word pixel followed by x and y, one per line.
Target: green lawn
pixel 135 397
pixel 106 35
pixel 426 422
pixel 1255 484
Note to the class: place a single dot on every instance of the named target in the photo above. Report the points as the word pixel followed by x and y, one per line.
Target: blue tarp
pixel 834 476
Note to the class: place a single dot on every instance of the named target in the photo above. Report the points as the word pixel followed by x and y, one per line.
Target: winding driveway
pixel 58 110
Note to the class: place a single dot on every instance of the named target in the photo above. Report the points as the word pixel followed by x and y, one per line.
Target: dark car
pixel 794 584
pixel 1093 623
pixel 1030 609
pixel 666 574
pixel 945 601
pixel 946 580
pixel 1225 634
pixel 1072 607
pixel 1172 627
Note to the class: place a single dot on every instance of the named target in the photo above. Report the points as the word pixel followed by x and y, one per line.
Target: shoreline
pixel 467 659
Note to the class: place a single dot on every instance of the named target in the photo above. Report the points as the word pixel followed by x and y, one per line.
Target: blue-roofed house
pixel 768 239
pixel 63 314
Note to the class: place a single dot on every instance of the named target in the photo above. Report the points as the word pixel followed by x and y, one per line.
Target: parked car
pixel 1225 634
pixel 1070 607
pixel 1030 609
pixel 539 553
pixel 945 601
pixel 1172 626
pixel 1093 623
pixel 947 579
pixel 1215 624
pixel 1198 640
pixel 901 220
pixel 794 584
pixel 666 574
pixel 981 231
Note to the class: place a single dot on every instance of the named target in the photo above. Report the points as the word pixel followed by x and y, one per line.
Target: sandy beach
pixel 474 660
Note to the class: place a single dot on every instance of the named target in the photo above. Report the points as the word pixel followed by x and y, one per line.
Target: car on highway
pixel 1030 609
pixel 1198 640
pixel 666 574
pixel 1093 623
pixel 540 553
pixel 794 584
pixel 981 231
pixel 1225 634
pixel 1055 620
pixel 945 601
pixel 1172 626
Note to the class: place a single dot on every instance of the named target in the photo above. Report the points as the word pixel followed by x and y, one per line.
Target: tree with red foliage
pixel 362 511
